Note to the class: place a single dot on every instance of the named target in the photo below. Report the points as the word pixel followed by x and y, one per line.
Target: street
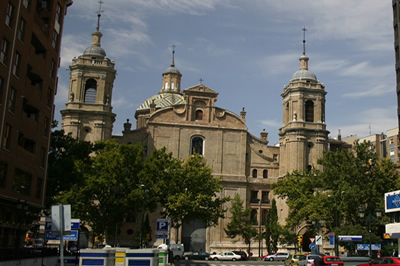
pixel 226 263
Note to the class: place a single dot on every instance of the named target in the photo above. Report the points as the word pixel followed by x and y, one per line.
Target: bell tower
pixel 88 112
pixel 303 137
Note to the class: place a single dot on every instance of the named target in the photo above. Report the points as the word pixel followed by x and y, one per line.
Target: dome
pixel 304 74
pixel 172 70
pixel 95 50
pixel 163 100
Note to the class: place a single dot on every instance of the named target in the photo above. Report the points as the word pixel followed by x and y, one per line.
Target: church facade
pixel 188 120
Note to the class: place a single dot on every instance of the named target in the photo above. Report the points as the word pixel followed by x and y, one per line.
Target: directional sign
pixel 161 236
pixel 72 237
pixel 312 246
pixel 162 226
pixel 75 224
pixel 350 238
pixel 366 246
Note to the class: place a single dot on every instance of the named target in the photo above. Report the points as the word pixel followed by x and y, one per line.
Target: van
pixel 177 250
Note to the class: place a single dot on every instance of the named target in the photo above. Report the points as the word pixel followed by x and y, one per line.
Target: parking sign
pixel 162 226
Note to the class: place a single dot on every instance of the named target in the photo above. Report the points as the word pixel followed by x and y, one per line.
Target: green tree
pixel 241 223
pixel 190 193
pixel 111 188
pixel 273 230
pixel 65 153
pixel 349 179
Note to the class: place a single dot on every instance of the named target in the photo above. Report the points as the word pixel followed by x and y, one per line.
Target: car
pixel 262 257
pixel 307 260
pixel 279 256
pixel 196 256
pixel 383 261
pixel 225 256
pixel 294 259
pixel 331 261
pixel 243 254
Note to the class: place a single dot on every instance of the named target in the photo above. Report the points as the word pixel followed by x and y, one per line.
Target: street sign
pixel 318 240
pixel 350 238
pixel 366 246
pixel 75 224
pixel 312 246
pixel 312 239
pixel 332 239
pixel 72 237
pixel 161 236
pixel 162 226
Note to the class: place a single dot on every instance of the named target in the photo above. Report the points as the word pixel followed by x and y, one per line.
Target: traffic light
pixel 300 240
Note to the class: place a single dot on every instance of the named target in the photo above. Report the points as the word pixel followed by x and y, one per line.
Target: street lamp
pixel 142 217
pixel 370 219
pixel 318 224
pixel 336 221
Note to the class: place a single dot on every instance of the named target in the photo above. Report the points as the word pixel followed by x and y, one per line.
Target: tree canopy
pixel 241 223
pixel 118 182
pixel 350 181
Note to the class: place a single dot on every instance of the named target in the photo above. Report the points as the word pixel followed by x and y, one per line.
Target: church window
pixel 197 145
pixel 265 173
pixel 309 111
pixel 254 196
pixel 199 115
pixel 265 197
pixel 275 158
pixel 254 174
pixel 90 91
pixel 172 85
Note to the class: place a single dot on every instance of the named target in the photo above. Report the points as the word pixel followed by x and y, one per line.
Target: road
pixel 227 263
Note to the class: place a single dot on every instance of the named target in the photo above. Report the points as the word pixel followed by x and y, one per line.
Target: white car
pixel 308 260
pixel 279 256
pixel 225 256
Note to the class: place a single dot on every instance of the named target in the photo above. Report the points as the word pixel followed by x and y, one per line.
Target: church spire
pixel 304 40
pixel 173 56
pixel 99 15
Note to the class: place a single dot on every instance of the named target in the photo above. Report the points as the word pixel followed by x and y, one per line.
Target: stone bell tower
pixel 88 113
pixel 303 137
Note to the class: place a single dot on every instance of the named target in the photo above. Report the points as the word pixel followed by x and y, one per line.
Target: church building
pixel 187 120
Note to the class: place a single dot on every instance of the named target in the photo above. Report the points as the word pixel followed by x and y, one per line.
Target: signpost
pixel 350 238
pixel 366 247
pixel 162 228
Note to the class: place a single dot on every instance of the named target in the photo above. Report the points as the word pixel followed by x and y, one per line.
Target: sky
pixel 246 50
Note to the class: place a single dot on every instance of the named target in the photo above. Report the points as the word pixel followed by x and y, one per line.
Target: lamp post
pixel 336 221
pixel 370 219
pixel 142 216
pixel 318 224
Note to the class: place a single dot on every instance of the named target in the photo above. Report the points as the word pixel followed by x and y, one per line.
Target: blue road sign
pixel 161 236
pixel 312 246
pixel 366 246
pixel 72 237
pixel 75 224
pixel 350 238
pixel 332 239
pixel 162 226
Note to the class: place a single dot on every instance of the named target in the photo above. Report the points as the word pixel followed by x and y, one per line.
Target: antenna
pixel 99 15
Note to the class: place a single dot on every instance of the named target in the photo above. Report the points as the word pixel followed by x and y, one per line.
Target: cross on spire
pixel 99 15
pixel 201 80
pixel 304 40
pixel 173 55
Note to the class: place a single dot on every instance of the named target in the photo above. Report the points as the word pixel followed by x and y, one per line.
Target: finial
pixel 173 55
pixel 201 80
pixel 99 15
pixel 304 40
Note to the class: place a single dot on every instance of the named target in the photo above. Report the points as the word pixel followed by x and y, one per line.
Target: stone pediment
pixel 200 88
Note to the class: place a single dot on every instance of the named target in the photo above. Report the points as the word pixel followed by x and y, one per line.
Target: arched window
pixel 265 173
pixel 199 115
pixel 90 91
pixel 309 111
pixel 254 174
pixel 197 145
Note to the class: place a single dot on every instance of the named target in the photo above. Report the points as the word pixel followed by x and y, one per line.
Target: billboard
pixel 392 201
